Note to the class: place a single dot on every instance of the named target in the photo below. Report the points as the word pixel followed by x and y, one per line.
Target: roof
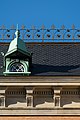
pixel 51 58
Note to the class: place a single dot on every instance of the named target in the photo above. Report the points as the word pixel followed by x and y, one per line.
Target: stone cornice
pixel 40 81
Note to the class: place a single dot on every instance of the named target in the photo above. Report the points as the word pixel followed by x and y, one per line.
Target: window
pixel 17 67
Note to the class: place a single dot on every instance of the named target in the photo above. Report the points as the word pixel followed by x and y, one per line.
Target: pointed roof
pixel 17 45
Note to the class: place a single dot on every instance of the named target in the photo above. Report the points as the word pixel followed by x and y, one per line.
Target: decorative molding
pixel 67 92
pixel 15 93
pixel 43 92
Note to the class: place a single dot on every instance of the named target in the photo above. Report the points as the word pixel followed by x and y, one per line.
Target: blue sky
pixel 39 12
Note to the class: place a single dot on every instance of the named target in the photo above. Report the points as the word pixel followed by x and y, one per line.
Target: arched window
pixel 17 67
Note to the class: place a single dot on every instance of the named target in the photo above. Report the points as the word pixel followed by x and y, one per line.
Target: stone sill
pixel 40 111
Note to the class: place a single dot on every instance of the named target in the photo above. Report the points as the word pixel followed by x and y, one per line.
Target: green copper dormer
pixel 17 60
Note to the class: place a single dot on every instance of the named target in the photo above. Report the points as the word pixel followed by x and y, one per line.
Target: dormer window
pixel 17 59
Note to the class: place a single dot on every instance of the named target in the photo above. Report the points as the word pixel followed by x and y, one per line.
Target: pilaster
pixel 57 97
pixel 2 96
pixel 29 96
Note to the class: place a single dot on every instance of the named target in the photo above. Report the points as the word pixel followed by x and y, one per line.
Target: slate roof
pixel 51 58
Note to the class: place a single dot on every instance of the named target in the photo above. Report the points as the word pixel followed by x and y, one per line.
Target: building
pixel 39 80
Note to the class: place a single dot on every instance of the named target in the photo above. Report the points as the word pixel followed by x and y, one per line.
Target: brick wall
pixel 39 117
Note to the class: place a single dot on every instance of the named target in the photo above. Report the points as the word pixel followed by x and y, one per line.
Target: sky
pixel 39 12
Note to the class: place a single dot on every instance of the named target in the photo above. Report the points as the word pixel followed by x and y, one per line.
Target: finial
pixel 17 27
pixel 17 33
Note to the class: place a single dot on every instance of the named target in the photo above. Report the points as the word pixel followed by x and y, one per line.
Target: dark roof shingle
pixel 51 58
